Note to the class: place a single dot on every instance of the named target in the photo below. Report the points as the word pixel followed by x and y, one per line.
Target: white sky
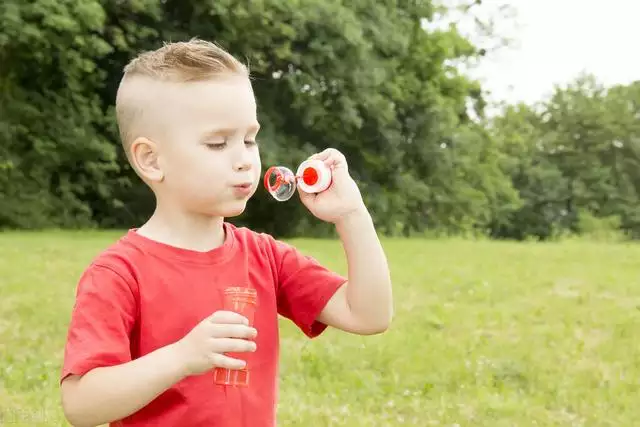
pixel 558 39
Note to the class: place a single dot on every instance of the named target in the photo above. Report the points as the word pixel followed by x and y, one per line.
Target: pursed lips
pixel 243 185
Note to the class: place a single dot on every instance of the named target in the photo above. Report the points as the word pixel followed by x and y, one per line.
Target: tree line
pixel 364 76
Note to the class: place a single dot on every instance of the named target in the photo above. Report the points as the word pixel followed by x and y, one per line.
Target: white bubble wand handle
pixel 313 176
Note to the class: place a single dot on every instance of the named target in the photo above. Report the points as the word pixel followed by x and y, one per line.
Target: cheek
pixel 257 164
pixel 188 167
pixel 179 172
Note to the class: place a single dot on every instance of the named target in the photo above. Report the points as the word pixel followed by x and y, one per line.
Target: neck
pixel 184 230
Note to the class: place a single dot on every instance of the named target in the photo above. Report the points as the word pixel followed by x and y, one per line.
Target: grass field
pixel 485 334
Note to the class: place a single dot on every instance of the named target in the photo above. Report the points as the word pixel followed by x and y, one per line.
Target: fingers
pixel 222 361
pixel 231 345
pixel 325 154
pixel 331 157
pixel 306 198
pixel 228 317
pixel 221 330
pixel 320 156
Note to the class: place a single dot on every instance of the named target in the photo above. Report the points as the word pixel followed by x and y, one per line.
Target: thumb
pixel 307 199
pixel 339 171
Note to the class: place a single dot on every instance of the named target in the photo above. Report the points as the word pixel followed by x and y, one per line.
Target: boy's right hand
pixel 204 346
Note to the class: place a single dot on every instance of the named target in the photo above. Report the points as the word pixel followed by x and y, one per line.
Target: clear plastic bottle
pixel 243 301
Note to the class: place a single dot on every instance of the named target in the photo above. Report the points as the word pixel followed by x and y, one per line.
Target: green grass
pixel 485 334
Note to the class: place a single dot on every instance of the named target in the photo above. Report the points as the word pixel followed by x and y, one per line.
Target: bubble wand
pixel 312 176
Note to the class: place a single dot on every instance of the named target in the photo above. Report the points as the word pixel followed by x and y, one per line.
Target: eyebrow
pixel 229 131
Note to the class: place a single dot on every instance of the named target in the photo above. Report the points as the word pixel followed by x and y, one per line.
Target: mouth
pixel 243 186
pixel 243 189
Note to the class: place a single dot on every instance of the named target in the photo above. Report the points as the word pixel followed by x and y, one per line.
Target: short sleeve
pixel 304 288
pixel 101 322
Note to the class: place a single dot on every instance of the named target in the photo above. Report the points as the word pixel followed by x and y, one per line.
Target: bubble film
pixel 280 182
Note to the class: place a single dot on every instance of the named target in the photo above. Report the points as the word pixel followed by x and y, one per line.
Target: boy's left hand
pixel 341 198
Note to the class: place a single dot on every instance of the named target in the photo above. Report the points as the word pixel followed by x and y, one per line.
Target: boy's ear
pixel 144 156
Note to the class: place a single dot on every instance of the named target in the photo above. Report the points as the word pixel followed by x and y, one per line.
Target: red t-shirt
pixel 140 295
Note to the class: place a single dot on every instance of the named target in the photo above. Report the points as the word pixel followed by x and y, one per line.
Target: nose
pixel 243 161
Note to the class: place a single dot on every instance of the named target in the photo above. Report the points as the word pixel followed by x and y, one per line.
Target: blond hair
pixel 178 62
pixel 193 60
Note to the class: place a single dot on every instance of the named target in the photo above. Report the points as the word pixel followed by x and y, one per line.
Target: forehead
pixel 163 110
pixel 227 101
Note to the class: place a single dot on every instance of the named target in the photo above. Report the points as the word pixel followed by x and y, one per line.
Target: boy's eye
pixel 217 146
pixel 251 142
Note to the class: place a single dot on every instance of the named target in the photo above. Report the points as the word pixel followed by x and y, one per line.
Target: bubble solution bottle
pixel 243 301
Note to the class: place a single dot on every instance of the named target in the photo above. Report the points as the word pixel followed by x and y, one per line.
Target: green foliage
pixel 367 77
pixel 55 158
pixel 599 228
pixel 578 154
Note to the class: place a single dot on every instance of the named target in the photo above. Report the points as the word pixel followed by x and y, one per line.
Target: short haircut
pixel 178 62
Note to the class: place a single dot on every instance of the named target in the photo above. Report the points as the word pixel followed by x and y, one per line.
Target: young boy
pixel 148 327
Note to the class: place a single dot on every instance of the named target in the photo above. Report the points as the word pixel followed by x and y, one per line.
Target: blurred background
pixel 505 119
pixel 497 145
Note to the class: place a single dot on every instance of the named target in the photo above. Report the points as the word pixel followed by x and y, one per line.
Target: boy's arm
pixel 364 305
pixel 106 394
pixel 100 381
pixel 112 393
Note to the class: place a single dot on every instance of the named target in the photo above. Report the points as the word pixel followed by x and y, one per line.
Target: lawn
pixel 485 334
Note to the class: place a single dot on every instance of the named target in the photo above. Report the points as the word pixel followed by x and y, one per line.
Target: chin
pixel 222 208
pixel 233 209
pixel 232 213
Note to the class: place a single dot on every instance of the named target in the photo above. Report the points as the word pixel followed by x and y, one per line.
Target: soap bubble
pixel 280 182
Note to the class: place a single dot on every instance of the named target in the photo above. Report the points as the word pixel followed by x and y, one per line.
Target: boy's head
pixel 188 123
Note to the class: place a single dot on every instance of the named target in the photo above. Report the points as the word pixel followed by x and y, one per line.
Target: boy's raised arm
pixel 364 305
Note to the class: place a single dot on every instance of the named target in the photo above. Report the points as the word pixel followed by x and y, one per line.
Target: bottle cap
pixel 313 176
pixel 238 293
